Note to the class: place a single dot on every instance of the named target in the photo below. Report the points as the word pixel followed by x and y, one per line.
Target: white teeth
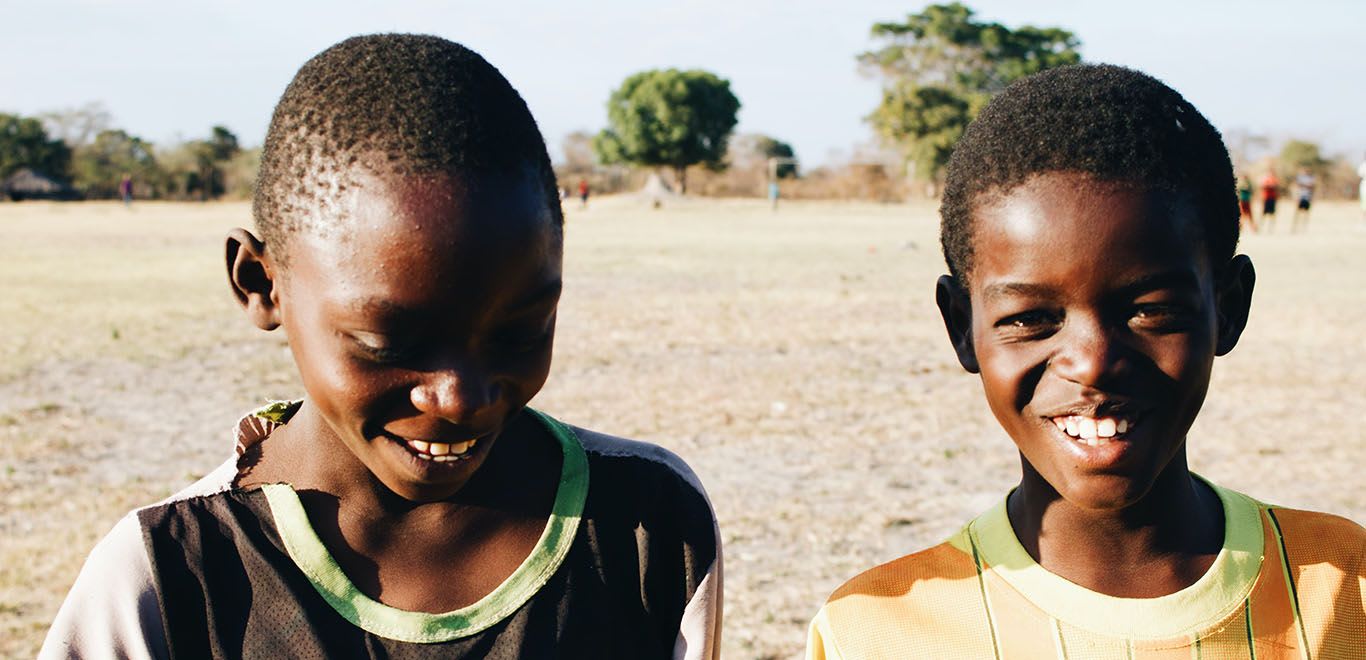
pixel 1105 428
pixel 1086 428
pixel 1091 431
pixel 441 452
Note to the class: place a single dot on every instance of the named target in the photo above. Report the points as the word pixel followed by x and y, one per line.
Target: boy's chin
pixel 1106 493
pixel 1094 491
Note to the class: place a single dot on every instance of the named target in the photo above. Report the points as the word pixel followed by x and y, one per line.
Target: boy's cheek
pixel 1009 378
pixel 1183 358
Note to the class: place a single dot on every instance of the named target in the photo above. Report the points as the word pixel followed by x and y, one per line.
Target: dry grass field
pixel 795 359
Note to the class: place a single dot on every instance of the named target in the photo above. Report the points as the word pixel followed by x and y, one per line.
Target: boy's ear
pixel 956 308
pixel 1233 301
pixel 252 277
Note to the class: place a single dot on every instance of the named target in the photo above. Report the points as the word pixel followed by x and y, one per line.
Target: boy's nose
pixel 1090 355
pixel 460 396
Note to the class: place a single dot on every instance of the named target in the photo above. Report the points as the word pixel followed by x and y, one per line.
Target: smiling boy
pixel 1089 225
pixel 409 242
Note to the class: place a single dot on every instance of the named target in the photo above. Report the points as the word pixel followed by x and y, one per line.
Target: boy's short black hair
pixel 1109 122
pixel 394 103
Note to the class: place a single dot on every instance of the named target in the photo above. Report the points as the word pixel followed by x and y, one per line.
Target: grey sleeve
pixel 699 633
pixel 111 610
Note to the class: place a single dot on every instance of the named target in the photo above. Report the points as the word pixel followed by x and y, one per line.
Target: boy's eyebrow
pixel 1008 289
pixel 380 307
pixel 1171 279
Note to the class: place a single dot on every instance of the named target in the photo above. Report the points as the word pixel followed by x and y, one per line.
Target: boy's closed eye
pixel 389 349
pixel 382 348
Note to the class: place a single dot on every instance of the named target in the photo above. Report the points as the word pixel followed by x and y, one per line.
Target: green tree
pixel 25 143
pixel 99 167
pixel 210 156
pixel 752 151
pixel 938 69
pixel 770 147
pixel 669 118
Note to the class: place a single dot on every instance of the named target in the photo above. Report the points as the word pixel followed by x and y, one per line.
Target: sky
pixel 168 70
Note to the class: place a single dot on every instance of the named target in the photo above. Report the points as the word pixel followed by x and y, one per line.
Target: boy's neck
pixel 1157 546
pixel 399 552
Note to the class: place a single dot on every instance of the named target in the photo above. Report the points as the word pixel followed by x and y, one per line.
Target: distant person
pixel 773 193
pixel 410 505
pixel 1245 203
pixel 1361 189
pixel 1093 279
pixel 583 193
pixel 1270 189
pixel 1304 197
pixel 126 190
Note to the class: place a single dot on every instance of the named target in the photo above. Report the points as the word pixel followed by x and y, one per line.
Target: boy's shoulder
pixel 641 479
pixel 921 605
pixel 642 458
pixel 1312 537
pixel 928 576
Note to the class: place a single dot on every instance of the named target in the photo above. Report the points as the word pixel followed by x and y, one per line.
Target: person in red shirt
pixel 1270 191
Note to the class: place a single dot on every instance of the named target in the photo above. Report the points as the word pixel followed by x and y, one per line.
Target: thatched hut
pixel 27 183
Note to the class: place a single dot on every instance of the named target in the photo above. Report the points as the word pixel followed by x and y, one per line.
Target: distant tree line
pixel 79 147
pixel 938 68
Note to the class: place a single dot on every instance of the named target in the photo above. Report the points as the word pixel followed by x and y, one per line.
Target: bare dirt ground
pixel 795 359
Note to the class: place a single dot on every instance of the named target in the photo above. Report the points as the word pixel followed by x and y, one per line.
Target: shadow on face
pixel 423 320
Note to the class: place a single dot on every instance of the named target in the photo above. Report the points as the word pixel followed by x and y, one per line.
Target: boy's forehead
pixel 426 243
pixel 1072 218
pixel 365 203
pixel 1047 198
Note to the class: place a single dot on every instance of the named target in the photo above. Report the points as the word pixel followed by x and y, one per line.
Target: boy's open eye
pixel 1161 316
pixel 1029 325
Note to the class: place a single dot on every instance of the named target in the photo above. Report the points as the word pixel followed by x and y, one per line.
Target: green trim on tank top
pixel 1218 593
pixel 326 576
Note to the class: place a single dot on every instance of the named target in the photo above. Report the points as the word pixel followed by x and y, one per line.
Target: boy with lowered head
pixel 409 241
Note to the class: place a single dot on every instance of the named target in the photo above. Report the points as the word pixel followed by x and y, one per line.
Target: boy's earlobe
pixel 252 277
pixel 956 309
pixel 1233 301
